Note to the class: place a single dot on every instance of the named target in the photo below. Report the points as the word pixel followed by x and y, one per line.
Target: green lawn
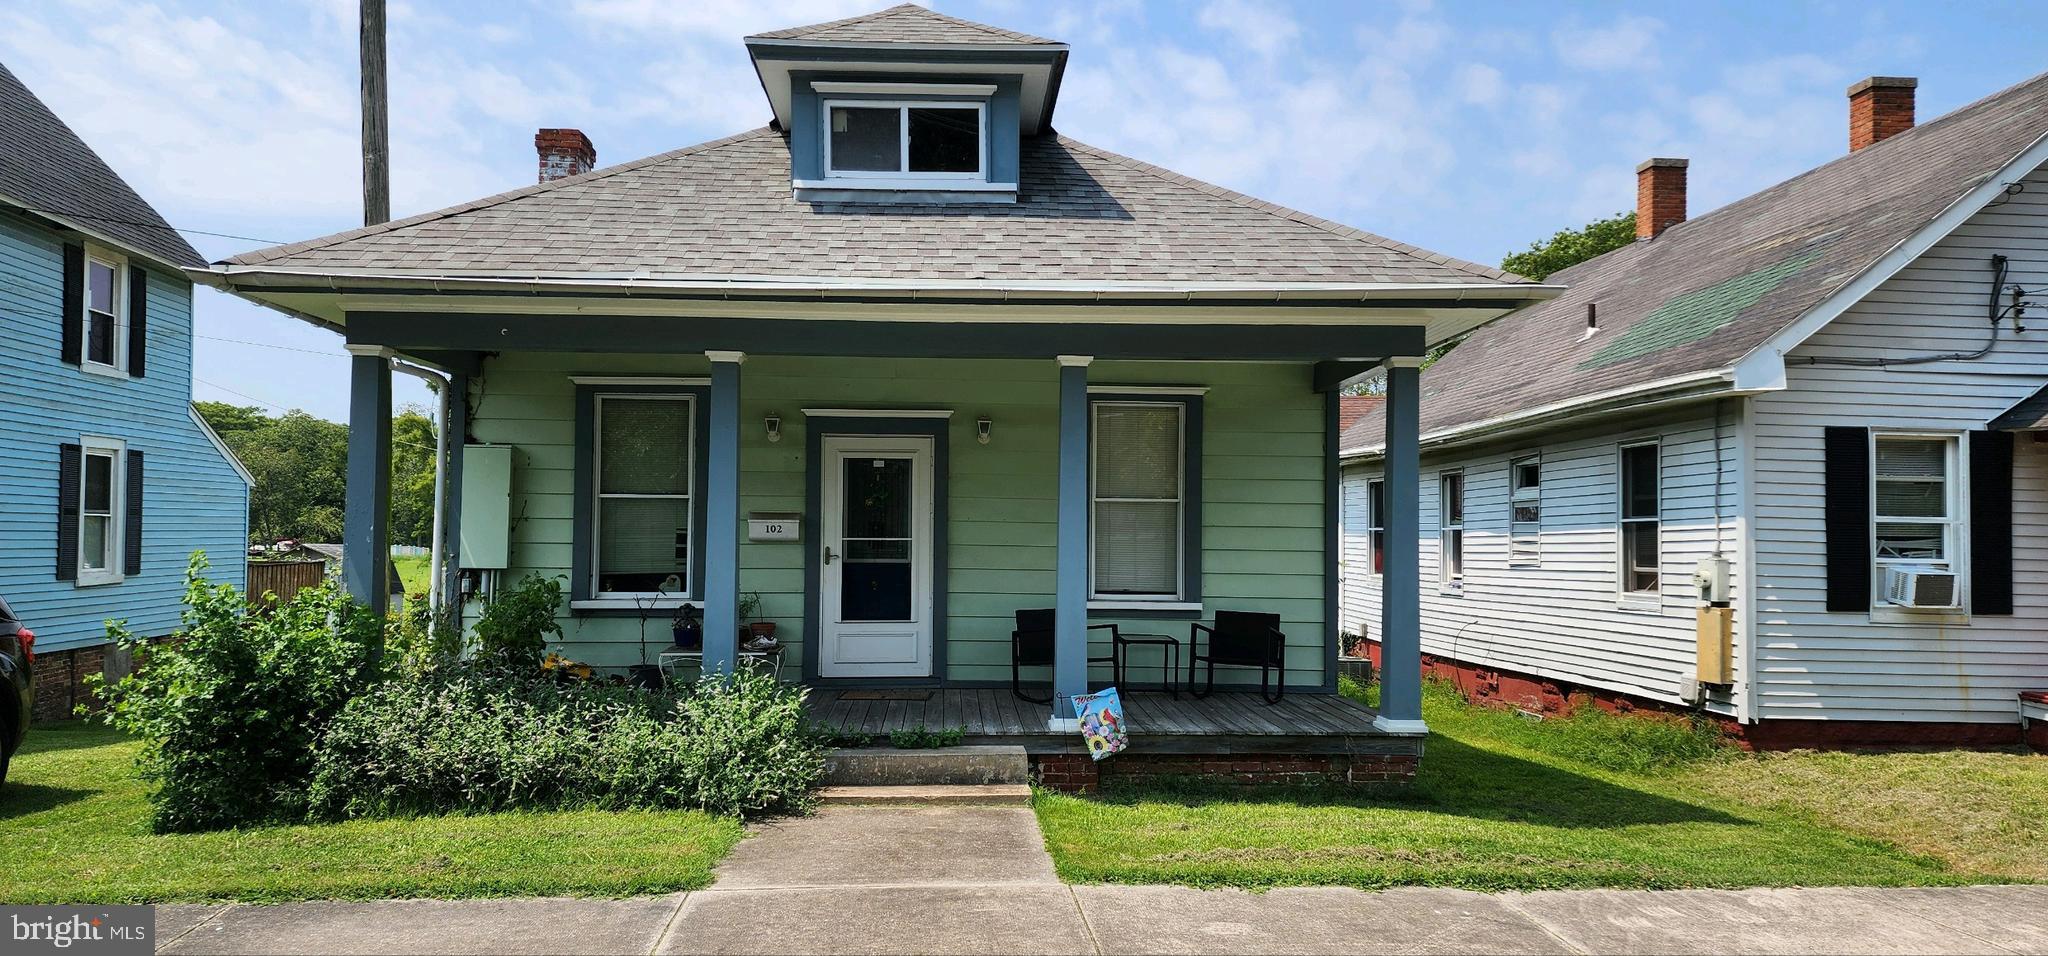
pixel 412 571
pixel 71 830
pixel 1504 803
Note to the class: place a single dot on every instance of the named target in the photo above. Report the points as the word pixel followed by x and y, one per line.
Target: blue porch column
pixel 1401 597
pixel 722 517
pixel 457 425
pixel 366 523
pixel 1070 601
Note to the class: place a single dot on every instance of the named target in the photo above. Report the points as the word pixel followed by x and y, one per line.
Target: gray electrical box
pixel 486 506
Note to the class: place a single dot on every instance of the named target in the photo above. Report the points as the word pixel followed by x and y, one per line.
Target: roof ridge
pixel 269 253
pixel 800 32
pixel 1291 214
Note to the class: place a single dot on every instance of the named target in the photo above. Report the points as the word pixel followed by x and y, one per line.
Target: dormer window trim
pixel 980 91
pixel 903 176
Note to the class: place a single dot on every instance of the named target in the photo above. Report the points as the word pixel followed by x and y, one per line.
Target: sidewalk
pixel 978 880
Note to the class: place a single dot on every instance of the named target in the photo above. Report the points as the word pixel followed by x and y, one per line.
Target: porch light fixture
pixel 774 425
pixel 981 429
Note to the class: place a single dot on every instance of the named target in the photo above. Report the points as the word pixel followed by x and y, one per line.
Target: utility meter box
pixel 486 507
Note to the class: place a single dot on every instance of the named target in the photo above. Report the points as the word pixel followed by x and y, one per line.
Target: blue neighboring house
pixel 111 479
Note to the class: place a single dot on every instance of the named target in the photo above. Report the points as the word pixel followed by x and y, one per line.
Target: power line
pixel 96 217
pixel 267 345
pixel 230 391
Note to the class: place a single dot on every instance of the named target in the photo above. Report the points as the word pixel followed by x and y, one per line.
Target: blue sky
pixel 1471 128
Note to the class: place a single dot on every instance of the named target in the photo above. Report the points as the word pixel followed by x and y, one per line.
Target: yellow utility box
pixel 1716 639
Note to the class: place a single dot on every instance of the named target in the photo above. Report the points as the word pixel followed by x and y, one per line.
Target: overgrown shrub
pixel 514 626
pixel 482 738
pixel 230 707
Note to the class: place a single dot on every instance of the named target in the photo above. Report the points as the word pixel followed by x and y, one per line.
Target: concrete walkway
pixel 978 880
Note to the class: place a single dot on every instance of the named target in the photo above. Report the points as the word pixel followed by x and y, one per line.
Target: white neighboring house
pixel 1826 385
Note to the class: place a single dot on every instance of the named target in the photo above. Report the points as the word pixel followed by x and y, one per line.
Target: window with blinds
pixel 1911 503
pixel 1642 511
pixel 1136 496
pixel 642 501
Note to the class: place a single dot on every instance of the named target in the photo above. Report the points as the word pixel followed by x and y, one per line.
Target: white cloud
pixel 1478 84
pixel 1629 42
pixel 723 22
pixel 1259 27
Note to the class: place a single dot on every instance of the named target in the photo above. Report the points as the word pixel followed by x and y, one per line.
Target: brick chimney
pixel 1880 107
pixel 1660 196
pixel 564 152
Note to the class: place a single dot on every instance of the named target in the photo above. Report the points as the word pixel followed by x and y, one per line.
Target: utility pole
pixel 376 129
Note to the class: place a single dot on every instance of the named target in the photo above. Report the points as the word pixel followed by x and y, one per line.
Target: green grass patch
pixel 415 572
pixel 72 829
pixel 1500 803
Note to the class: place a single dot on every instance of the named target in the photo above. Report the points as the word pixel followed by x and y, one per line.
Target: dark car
pixel 17 683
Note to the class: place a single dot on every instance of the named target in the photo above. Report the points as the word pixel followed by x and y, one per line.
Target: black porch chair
pixel 1031 646
pixel 1239 639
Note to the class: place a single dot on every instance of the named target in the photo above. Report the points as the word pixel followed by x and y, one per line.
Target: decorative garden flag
pixel 1102 723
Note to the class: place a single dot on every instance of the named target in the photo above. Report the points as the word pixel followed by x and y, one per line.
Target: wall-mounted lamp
pixel 774 425
pixel 981 429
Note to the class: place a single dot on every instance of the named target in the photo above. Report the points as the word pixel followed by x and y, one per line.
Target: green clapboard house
pixel 904 363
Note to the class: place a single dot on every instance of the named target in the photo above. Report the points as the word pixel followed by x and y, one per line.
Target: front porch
pixel 1305 738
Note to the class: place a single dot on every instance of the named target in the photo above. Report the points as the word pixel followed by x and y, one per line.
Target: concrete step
pixel 938 766
pixel 943 795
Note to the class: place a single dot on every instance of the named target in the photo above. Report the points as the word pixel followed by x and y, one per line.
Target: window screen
pixel 1137 498
pixel 643 495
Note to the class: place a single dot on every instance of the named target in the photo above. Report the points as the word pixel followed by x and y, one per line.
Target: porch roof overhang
pixel 963 318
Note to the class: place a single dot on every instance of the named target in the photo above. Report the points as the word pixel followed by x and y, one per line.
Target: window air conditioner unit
pixel 1920 587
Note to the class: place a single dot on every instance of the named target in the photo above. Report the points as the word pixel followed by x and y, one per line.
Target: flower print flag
pixel 1102 723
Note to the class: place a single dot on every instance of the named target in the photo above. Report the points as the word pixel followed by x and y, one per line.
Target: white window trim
pixel 117 503
pixel 1957 542
pixel 1650 600
pixel 902 174
pixel 1375 527
pixel 1448 582
pixel 1180 539
pixel 118 368
pixel 1525 546
pixel 640 599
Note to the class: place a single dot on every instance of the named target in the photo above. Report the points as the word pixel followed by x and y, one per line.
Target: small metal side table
pixel 1169 657
pixel 769 661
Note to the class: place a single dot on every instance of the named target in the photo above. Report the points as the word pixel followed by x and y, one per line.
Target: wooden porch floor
pixel 1227 722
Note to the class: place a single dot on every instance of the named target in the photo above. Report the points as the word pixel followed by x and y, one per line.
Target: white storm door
pixel 875 558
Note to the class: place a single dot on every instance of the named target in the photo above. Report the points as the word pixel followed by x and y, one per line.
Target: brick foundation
pixel 1511 689
pixel 60 678
pixel 1079 773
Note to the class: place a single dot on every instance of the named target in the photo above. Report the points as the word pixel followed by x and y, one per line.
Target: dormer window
pixel 905 139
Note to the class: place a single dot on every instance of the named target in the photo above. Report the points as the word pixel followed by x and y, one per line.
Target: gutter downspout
pixel 436 551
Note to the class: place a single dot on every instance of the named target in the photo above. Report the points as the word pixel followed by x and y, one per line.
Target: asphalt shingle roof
pixel 2031 414
pixel 905 23
pixel 46 168
pixel 1709 290
pixel 725 209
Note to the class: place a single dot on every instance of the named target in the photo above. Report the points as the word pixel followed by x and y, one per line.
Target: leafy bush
pixel 481 738
pixel 229 708
pixel 515 625
pixel 924 738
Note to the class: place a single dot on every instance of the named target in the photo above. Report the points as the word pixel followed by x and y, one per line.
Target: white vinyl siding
pixel 1561 620
pixel 1136 497
pixel 1891 664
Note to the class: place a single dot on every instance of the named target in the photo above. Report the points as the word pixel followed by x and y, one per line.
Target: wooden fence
pixel 283 578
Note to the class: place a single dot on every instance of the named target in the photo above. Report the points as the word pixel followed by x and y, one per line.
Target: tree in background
pixel 300 464
pixel 1572 246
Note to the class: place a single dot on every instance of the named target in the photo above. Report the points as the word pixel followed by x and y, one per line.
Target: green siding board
pixel 1262 490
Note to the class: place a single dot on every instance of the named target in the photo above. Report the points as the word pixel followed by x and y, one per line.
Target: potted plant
pixel 688 628
pixel 750 611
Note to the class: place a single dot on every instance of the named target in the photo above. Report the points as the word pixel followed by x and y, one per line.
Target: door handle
pixel 828 554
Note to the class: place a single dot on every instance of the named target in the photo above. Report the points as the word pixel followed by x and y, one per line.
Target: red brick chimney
pixel 1660 196
pixel 1880 107
pixel 564 152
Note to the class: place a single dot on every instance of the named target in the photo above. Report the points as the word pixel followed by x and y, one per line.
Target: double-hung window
pixel 1376 523
pixel 1641 520
pixel 1525 507
pixel 644 476
pixel 104 326
pixel 100 495
pixel 1138 500
pixel 1450 527
pixel 1913 505
pixel 905 140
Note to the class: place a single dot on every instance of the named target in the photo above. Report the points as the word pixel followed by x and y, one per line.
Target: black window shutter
pixel 138 318
pixel 131 530
pixel 1847 452
pixel 1991 522
pixel 69 458
pixel 74 303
